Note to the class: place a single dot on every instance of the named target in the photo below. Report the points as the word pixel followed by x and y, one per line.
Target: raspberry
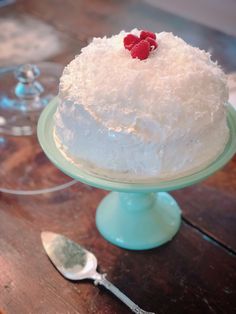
pixel 152 42
pixel 141 50
pixel 145 34
pixel 130 40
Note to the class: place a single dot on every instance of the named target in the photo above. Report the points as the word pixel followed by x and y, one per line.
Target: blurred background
pixel 56 30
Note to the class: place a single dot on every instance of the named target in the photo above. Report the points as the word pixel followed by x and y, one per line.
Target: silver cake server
pixel 76 263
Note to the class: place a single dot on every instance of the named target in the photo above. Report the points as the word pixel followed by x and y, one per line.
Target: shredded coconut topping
pixel 146 111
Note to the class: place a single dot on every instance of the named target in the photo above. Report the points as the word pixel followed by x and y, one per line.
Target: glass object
pixel 24 92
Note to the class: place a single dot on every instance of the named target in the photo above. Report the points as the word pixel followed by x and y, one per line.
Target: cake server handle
pixel 101 280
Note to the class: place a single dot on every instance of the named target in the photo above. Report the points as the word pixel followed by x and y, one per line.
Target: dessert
pixel 124 109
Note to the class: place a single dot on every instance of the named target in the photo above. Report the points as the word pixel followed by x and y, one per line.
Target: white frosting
pixel 163 116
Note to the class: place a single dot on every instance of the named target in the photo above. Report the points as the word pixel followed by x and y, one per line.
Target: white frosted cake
pixel 159 115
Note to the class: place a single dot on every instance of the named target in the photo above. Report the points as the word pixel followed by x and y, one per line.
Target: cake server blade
pixel 76 263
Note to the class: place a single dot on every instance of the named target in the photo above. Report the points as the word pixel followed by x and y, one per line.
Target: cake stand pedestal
pixel 138 214
pixel 138 221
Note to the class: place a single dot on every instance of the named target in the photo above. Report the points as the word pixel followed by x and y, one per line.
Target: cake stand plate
pixel 138 214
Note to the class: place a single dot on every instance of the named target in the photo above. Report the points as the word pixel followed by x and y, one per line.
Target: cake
pixel 161 115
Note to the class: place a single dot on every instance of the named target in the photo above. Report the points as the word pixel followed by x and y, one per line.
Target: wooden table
pixel 194 273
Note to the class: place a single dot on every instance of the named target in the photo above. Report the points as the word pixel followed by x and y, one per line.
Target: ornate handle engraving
pixel 101 280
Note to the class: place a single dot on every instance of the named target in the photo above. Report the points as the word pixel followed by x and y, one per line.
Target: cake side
pixel 128 154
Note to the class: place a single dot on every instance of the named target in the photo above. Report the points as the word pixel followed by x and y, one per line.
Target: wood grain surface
pixel 194 273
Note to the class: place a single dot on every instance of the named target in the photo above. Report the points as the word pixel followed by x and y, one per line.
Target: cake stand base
pixel 138 221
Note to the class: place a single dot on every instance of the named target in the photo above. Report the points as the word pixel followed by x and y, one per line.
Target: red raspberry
pixel 152 42
pixel 130 40
pixel 145 34
pixel 141 50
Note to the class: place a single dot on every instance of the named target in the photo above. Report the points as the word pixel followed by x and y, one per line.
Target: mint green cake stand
pixel 136 215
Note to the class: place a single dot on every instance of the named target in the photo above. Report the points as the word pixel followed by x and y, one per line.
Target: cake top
pixel 173 86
